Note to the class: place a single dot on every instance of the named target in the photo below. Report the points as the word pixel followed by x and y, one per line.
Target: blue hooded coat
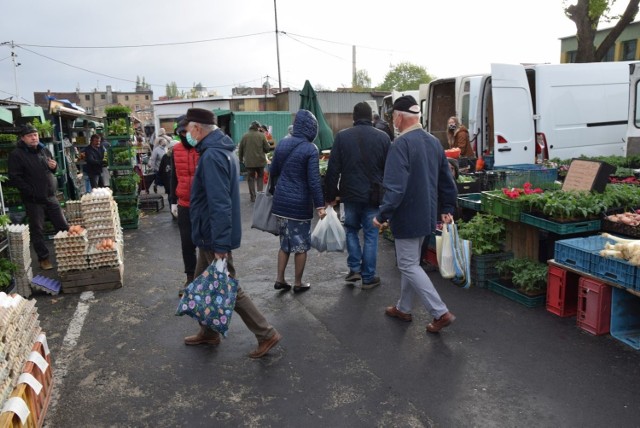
pixel 215 195
pixel 296 170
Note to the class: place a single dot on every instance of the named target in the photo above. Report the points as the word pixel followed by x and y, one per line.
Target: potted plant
pixel 506 268
pixel 7 268
pixel 486 233
pixel 8 139
pixel 45 129
pixel 531 278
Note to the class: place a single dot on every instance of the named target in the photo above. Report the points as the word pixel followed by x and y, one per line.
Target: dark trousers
pixel 36 213
pixel 96 180
pixel 188 249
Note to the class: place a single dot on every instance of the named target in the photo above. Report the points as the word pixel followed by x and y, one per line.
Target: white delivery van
pixel 567 110
pixel 633 126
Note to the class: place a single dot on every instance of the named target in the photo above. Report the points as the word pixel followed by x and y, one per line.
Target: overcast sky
pixel 67 44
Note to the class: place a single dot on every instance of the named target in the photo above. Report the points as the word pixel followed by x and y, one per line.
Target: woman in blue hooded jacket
pixel 296 173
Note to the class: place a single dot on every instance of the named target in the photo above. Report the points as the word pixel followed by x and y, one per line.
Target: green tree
pixel 405 77
pixel 171 90
pixel 361 81
pixel 587 14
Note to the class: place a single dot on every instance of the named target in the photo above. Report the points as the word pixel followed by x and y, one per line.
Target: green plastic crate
pixel 561 228
pixel 516 296
pixel 494 202
pixel 472 201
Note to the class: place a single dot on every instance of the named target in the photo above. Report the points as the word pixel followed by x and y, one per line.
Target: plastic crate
pixel 578 252
pixel 594 306
pixel 515 295
pixel 560 228
pixel 121 156
pixel 483 267
pixel 468 187
pixel 620 229
pixel 625 317
pixel 472 201
pixel 537 175
pixel 494 203
pixel 616 270
pixel 562 292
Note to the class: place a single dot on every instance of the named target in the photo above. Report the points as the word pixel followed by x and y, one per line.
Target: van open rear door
pixel 514 130
pixel 633 127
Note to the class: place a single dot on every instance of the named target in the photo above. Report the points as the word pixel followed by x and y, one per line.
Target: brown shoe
pixel 45 264
pixel 265 345
pixel 204 336
pixel 392 311
pixel 438 324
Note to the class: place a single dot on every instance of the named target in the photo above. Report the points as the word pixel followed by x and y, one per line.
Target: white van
pixel 567 110
pixel 633 127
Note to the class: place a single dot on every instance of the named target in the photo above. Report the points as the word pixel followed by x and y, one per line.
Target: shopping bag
pixel 211 297
pixel 461 258
pixel 444 253
pixel 329 235
pixel 263 218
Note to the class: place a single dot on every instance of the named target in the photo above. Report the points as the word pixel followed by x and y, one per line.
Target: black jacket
pixel 354 167
pixel 29 172
pixel 93 156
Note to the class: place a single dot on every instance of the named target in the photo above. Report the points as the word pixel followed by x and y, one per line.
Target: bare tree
pixel 586 14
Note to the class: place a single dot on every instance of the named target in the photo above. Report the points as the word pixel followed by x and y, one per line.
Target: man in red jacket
pixel 183 168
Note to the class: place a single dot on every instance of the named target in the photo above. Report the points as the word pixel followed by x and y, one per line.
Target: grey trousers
pixel 252 317
pixel 414 280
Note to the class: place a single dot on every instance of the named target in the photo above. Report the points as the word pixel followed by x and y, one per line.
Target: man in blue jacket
pixel 357 161
pixel 216 227
pixel 416 178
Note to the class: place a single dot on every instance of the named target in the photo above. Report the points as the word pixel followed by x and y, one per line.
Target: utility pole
pixel 275 10
pixel 15 72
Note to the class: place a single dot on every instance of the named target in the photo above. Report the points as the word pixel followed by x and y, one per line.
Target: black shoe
pixel 374 282
pixel 300 288
pixel 353 276
pixel 282 286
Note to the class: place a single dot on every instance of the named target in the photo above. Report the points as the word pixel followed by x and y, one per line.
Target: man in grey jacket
pixel 416 179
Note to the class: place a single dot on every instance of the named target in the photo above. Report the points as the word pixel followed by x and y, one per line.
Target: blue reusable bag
pixel 211 297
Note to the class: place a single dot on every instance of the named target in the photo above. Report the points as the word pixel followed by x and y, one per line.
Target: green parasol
pixel 309 101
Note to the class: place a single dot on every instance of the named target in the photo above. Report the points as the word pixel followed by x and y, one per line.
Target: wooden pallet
pixel 108 278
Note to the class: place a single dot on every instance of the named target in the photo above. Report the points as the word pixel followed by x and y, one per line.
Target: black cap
pixel 27 129
pixel 181 124
pixel 407 104
pixel 200 115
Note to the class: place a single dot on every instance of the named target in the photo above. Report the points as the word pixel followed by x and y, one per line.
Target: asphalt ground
pixel 119 359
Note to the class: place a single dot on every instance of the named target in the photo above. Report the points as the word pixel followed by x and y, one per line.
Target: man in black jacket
pixel 31 169
pixel 94 156
pixel 357 163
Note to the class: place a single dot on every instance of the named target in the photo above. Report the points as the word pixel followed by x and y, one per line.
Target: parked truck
pixel 519 114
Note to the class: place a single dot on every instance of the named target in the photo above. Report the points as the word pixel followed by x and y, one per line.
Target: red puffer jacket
pixel 185 161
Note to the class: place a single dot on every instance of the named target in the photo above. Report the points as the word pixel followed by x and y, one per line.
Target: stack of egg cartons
pixel 20 255
pixel 19 327
pixel 101 219
pixel 71 250
pixel 73 212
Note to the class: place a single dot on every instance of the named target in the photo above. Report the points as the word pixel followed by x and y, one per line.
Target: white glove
pixel 174 210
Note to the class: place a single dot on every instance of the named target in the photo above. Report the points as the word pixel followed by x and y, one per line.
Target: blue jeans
pixel 361 258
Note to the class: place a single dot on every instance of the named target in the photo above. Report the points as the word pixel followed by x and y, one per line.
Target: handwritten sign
pixel 587 175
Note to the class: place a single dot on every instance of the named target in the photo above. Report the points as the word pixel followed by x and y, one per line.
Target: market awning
pixel 6 115
pixel 32 111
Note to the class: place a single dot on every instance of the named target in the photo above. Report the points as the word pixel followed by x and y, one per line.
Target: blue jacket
pixel 296 169
pixel 416 178
pixel 347 162
pixel 215 195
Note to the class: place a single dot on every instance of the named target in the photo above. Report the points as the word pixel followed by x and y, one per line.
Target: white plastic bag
pixel 329 235
pixel 444 253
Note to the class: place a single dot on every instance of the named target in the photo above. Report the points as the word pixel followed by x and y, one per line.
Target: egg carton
pixel 71 267
pixel 64 235
pixel 111 258
pixel 48 285
pixel 17 228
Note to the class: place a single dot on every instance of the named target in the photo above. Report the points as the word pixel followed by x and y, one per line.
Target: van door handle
pixel 506 149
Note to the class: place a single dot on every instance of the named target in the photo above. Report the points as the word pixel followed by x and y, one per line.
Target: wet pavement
pixel 119 359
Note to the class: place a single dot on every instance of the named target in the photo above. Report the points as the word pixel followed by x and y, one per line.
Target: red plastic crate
pixel 594 306
pixel 562 292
